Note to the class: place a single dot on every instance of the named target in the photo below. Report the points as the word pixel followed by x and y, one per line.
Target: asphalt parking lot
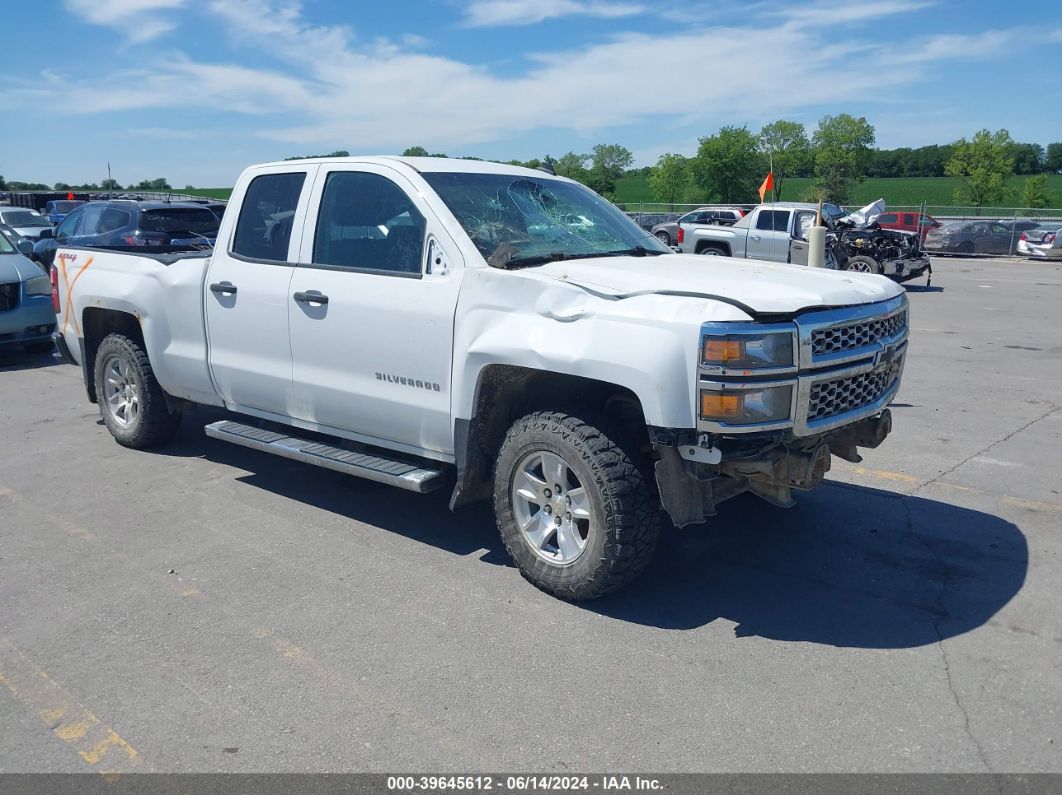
pixel 209 608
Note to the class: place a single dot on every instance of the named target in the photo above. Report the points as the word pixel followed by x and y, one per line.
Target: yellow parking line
pixel 69 721
pixel 886 475
pixel 1032 505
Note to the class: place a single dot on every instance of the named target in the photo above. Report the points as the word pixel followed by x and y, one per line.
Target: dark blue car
pixel 56 211
pixel 162 226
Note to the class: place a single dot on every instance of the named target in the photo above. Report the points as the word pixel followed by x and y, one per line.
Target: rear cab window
pixel 773 220
pixel 267 213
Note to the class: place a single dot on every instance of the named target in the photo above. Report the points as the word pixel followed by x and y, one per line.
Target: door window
pixel 68 226
pixel 887 218
pixel 91 221
pixel 773 220
pixel 366 222
pixel 263 230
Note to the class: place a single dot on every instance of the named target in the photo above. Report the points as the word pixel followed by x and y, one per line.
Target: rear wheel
pixel 712 251
pixel 664 238
pixel 131 401
pixel 576 514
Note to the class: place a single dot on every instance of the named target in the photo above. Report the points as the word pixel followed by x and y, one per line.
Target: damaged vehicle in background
pixel 778 232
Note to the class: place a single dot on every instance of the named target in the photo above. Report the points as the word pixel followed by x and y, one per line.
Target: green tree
pixel 669 177
pixel 60 186
pixel 842 154
pixel 786 144
pixel 985 165
pixel 415 151
pixel 1028 158
pixel 1035 194
pixel 152 184
pixel 728 165
pixel 607 164
pixel 3 183
pixel 573 166
pixel 110 184
pixel 1053 160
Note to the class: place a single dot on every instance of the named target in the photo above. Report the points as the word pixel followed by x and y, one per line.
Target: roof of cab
pixel 427 164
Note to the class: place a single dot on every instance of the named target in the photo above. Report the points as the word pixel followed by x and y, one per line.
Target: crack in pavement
pixel 984 450
pixel 941 616
pixel 946 577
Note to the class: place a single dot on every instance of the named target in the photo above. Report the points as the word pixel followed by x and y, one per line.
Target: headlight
pixel 747 406
pixel 39 285
pixel 739 351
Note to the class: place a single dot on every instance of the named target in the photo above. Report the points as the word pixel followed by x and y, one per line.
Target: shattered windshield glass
pixel 520 221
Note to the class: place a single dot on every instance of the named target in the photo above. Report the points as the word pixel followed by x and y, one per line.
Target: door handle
pixel 311 297
pixel 223 288
pixel 755 237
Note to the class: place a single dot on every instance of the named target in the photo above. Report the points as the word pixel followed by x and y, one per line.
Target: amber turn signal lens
pixel 716 405
pixel 722 351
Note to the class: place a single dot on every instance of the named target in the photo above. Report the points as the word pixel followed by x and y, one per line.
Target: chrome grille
pixel 8 296
pixel 857 335
pixel 830 398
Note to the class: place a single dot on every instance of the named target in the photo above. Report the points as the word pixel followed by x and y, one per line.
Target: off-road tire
pixel 154 424
pixel 625 523
pixel 869 265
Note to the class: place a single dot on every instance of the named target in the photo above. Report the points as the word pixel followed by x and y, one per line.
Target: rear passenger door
pixel 769 236
pixel 247 291
pixel 371 326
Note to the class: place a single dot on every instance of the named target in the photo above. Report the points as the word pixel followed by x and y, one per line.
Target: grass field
pixel 210 193
pixel 899 191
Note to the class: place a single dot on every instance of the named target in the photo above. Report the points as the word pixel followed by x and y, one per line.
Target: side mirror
pixel 47 234
pixel 25 247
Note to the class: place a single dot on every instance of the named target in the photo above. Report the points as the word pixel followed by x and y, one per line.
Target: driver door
pixel 371 326
pixel 798 243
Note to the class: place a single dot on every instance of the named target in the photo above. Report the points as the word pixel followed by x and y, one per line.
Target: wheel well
pixel 504 394
pixel 96 324
pixel 706 244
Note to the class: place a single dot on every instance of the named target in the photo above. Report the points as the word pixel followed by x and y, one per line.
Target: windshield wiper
pixel 635 251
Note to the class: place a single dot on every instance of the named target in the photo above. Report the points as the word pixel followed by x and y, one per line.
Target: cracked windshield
pixel 524 221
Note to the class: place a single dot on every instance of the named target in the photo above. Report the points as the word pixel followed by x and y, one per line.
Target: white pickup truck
pixel 504 332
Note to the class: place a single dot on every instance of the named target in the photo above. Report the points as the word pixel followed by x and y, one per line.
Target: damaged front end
pixel 776 401
pixel 858 243
pixel 691 489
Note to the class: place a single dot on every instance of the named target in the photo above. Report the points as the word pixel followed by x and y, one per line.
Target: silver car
pixel 1044 242
pixel 720 216
pixel 28 223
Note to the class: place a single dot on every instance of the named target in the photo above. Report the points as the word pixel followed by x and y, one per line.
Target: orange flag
pixel 768 184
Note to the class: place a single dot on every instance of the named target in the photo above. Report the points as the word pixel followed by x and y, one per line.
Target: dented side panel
pixel 646 343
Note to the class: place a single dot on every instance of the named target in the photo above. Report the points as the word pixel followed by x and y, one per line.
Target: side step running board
pixel 370 467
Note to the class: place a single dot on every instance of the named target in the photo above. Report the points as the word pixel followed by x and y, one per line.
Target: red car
pixel 908 222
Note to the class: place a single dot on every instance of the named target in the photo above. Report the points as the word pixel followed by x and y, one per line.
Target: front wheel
pixel 864 265
pixel 131 401
pixel 576 514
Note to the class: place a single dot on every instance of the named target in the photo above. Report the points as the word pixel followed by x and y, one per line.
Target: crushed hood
pixel 765 287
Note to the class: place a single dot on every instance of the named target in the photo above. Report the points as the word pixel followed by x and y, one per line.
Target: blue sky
pixel 194 90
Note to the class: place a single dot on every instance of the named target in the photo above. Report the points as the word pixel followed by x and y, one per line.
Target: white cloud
pixel 332 90
pixel 497 13
pixel 956 46
pixel 139 20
